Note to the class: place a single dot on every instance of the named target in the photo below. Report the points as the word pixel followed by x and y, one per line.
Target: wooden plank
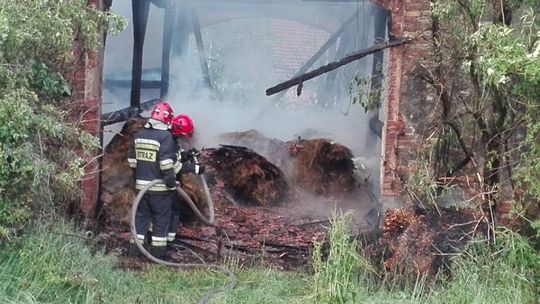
pixel 126 113
pixel 332 66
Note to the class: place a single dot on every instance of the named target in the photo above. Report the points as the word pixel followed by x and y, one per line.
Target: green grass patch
pixel 51 264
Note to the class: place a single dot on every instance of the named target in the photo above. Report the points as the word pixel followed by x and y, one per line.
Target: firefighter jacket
pixel 153 156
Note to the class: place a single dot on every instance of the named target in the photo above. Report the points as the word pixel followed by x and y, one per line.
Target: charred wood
pixel 126 113
pixel 140 9
pixel 332 66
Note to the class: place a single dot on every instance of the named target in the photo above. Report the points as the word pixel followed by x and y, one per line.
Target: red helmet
pixel 182 125
pixel 163 112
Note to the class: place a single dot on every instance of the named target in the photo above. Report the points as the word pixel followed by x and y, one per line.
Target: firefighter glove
pixel 183 155
pixel 194 152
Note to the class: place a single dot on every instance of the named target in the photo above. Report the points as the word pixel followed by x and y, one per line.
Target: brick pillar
pixel 87 92
pixel 411 19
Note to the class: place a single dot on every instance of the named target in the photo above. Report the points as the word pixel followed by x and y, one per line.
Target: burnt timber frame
pixel 172 23
pixel 140 9
pixel 168 27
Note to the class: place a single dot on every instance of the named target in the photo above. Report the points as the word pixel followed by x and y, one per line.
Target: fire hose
pixel 210 221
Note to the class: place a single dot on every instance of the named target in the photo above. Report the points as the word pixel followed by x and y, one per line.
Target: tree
pixel 485 70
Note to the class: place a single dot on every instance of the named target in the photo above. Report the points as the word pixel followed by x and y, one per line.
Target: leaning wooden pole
pixel 200 47
pixel 332 66
pixel 140 10
pixel 168 26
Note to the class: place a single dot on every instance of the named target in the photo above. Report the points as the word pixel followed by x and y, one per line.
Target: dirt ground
pixel 277 236
pixel 268 210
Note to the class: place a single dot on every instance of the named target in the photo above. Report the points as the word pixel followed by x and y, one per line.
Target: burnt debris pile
pixel 249 169
pixel 422 241
pixel 253 181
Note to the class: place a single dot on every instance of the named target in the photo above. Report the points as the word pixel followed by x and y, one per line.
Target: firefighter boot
pixel 158 251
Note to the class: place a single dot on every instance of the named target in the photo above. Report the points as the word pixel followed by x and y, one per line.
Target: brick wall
pixel 86 81
pixel 412 19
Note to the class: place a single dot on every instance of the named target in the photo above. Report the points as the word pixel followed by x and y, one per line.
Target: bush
pixel 41 147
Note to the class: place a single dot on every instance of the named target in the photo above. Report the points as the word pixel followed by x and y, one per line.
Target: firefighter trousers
pixel 154 208
pixel 175 217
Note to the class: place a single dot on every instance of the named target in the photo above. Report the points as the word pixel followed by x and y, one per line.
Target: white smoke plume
pixel 247 56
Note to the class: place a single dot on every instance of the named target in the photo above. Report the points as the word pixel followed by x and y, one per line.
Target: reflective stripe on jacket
pixel 153 156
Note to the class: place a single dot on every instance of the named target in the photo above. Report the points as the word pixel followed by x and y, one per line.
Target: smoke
pixel 249 48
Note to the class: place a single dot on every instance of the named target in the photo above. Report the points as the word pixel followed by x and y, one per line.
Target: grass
pixel 336 277
pixel 48 265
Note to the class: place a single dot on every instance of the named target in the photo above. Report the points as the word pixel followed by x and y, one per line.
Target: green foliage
pixel 487 79
pixel 44 30
pixel 41 145
pixel 361 91
pixel 49 84
pixel 335 277
pixel 422 187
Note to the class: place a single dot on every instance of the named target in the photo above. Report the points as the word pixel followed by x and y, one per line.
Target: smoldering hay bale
pixel 322 166
pixel 116 171
pixel 318 165
pixel 117 178
pixel 249 177
pixel 118 210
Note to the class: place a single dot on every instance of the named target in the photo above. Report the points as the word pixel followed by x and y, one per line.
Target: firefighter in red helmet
pixel 182 129
pixel 153 156
pixel 182 126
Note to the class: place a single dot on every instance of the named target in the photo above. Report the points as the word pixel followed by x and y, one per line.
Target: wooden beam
pixel 125 113
pixel 200 48
pixel 168 26
pixel 380 28
pixel 145 84
pixel 140 10
pixel 332 66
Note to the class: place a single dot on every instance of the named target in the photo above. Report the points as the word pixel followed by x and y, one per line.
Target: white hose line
pixel 208 294
pixel 208 221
